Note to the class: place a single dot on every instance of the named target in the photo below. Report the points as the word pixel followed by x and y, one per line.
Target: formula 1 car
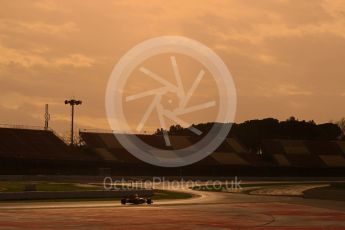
pixel 135 199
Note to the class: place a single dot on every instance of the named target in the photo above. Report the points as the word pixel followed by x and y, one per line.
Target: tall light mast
pixel 72 102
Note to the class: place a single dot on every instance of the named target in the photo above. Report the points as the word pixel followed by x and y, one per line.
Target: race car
pixel 135 199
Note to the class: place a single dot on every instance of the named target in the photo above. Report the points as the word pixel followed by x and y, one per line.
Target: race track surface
pixel 210 210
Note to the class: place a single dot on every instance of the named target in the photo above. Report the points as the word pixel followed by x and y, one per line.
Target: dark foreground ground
pixel 273 215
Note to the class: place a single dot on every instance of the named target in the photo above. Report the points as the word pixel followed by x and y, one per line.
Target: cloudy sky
pixel 286 57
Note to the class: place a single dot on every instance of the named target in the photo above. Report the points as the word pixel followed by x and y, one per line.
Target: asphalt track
pixel 208 210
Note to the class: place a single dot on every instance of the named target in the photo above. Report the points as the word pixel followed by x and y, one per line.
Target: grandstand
pixel 296 153
pixel 39 151
pixel 106 146
pixel 35 143
pixel 231 152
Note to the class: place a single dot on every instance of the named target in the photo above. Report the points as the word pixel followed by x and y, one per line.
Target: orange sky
pixel 287 57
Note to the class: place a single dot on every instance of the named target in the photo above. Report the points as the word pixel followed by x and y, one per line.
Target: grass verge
pixel 44 186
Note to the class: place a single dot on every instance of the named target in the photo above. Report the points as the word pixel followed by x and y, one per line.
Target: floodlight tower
pixel 72 102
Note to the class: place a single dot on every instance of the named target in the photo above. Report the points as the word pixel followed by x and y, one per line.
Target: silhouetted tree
pixel 251 133
pixel 159 132
pixel 341 125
